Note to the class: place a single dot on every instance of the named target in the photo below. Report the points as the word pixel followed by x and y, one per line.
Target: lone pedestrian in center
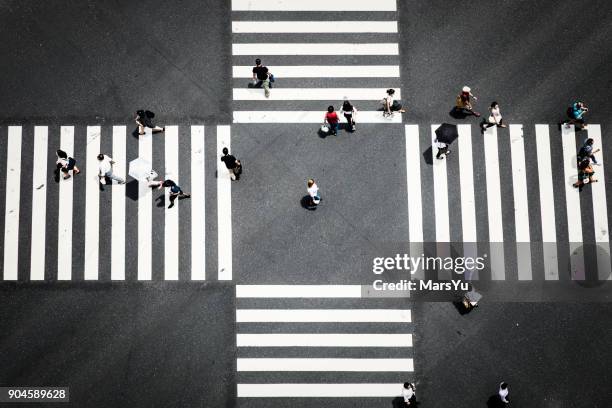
pixel 495 117
pixel 391 105
pixel 349 111
pixel 313 192
pixel 409 394
pixel 331 118
pixel 443 150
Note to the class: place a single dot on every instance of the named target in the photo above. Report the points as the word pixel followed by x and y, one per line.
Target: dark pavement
pixel 164 344
pixel 144 345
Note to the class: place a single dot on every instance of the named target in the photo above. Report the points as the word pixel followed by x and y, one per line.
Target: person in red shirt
pixel 332 119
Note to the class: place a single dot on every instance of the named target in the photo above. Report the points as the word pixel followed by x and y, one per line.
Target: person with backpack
pixel 586 151
pixel 175 190
pixel 65 164
pixel 331 118
pixel 144 119
pixel 232 164
pixel 349 112
pixel 390 105
pixel 262 76
pixel 575 113
pixel 585 173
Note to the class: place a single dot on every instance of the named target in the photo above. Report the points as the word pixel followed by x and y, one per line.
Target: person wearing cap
pixel 463 102
pixel 261 76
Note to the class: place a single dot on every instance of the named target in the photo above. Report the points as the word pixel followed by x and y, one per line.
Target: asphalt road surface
pixel 136 322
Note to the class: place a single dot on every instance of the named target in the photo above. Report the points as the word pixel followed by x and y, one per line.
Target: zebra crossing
pixel 320 341
pixel 316 57
pixel 76 229
pixel 560 250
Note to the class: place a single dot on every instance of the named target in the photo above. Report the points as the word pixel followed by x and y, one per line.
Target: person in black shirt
pixel 233 165
pixel 261 76
pixel 145 119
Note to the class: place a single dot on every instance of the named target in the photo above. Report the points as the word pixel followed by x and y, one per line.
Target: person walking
pixel 144 119
pixel 442 150
pixel 332 119
pixel 585 173
pixel 575 114
pixel 586 151
pixel 464 103
pixel 503 392
pixel 409 394
pixel 105 169
pixel 495 117
pixel 262 76
pixel 313 192
pixel 391 105
pixel 349 112
pixel 65 164
pixel 233 165
pixel 175 190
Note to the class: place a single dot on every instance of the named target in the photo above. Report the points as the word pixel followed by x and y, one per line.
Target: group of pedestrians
pixel 408 395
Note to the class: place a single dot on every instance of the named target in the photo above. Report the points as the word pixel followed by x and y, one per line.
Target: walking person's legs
pixel 115 177
pixel 266 86
pixel 232 174
pixel 172 198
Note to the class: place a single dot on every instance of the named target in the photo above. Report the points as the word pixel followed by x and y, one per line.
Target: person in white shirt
pixel 495 117
pixel 442 150
pixel 408 392
pixel 503 392
pixel 105 169
pixel 313 192
pixel 390 105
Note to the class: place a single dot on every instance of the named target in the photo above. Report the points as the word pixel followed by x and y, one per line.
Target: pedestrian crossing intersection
pixel 79 229
pixel 320 341
pixel 319 53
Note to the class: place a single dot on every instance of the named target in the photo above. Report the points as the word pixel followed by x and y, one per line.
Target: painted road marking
pixel 326 364
pixel 310 27
pixel 312 5
pixel 11 209
pixel 323 340
pixel 198 213
pixel 413 186
pixel 171 215
pixel 312 94
pixel 92 204
pixel 64 227
pixel 547 204
pixel 494 205
pixel 325 390
pixel 323 71
pixel 224 207
pixel 298 291
pixel 572 203
pixel 145 211
pixel 39 203
pixel 521 206
pixel 315 49
pixel 118 205
pixel 307 117
pixel 323 315
pixel 468 202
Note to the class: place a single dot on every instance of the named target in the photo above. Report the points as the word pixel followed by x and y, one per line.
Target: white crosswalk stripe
pixel 378 37
pixel 519 182
pixel 292 341
pixel 86 248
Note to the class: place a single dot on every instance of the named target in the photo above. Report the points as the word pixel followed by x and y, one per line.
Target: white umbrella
pixel 141 169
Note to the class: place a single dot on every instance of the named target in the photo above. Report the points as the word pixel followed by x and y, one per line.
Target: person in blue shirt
pixel 576 115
